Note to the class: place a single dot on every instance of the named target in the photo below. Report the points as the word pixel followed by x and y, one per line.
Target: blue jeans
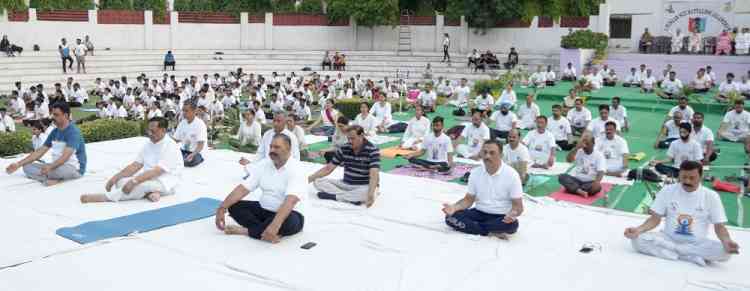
pixel 473 221
pixel 197 159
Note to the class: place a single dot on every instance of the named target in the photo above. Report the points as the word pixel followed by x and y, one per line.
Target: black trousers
pixel 64 61
pixel 446 55
pixel 253 217
pixel 443 166
pixel 565 145
pixel 573 184
pixel 494 133
pixel 169 64
pixel 667 170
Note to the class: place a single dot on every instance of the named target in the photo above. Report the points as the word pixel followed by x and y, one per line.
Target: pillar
pixel 173 28
pixel 439 25
pixel 92 17
pixel 32 14
pixel 354 35
pixel 4 16
pixel 465 49
pixel 148 29
pixel 268 32
pixel 244 31
pixel 603 21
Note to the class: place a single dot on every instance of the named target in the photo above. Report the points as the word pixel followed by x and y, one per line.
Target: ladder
pixel 404 33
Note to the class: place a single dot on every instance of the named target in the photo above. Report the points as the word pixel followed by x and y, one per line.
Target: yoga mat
pixel 562 195
pixel 557 169
pixel 381 139
pixel 637 156
pixel 140 222
pixel 311 138
pixel 459 170
pixel 391 152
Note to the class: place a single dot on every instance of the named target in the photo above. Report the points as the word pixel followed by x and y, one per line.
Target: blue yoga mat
pixel 140 222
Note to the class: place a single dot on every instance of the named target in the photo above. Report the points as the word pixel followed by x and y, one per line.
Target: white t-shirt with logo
pixel 588 166
pixel 738 123
pixel 475 136
pixel 619 114
pixel 579 118
pixel 684 151
pixel 559 128
pixel 687 112
pixel 504 122
pixel 517 155
pixel 437 148
pixel 671 87
pixel 494 192
pixel 688 215
pixel 191 133
pixel 598 126
pixel 540 146
pixel 613 150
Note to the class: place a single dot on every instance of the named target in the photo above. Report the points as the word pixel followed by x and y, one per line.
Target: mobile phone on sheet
pixel 308 245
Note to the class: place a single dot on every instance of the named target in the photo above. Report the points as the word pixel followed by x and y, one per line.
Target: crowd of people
pixel 493 202
pixel 734 42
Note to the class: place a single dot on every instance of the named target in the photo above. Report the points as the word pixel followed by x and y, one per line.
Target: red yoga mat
pixel 564 196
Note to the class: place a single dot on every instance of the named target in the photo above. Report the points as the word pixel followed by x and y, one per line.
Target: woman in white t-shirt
pixel 381 111
pixel 366 121
pixel 416 130
pixel 249 133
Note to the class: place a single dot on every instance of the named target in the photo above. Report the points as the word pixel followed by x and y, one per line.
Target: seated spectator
pixel 512 59
pixel 327 62
pixel 632 79
pixel 7 123
pixel 681 150
pixel 38 134
pixel 483 103
pixel 541 145
pixel 249 132
pixel 609 79
pixel 366 121
pixel 169 61
pixel 516 155
pixel 569 74
pixel 724 44
pixel 474 134
pixel 648 83
pixel 742 40
pixel 496 191
pixel 670 131
pixel 615 151
pixel 438 149
pixel 671 88
pixel 489 60
pixel 299 134
pixel 688 208
pixel 193 135
pixel 597 127
pixel 416 130
pixel 569 101
pixel 159 164
pixel 445 89
pixel 474 59
pixel 677 43
pixel 339 62
pixel 619 113
pixel 593 80
pixel 702 82
pixel 646 41
pixel 559 126
pixel 381 111
pixel 505 120
pixel 7 47
pixel 590 166
pixel 727 87
pixel 711 76
pixel 508 96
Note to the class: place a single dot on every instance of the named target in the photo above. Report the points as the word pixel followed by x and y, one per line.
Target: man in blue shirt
pixel 68 152
pixel 64 50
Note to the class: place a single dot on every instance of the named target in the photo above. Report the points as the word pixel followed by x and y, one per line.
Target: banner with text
pixel 705 17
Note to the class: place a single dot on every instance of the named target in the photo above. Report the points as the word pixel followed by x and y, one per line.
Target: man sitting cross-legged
pixel 361 162
pixel 680 150
pixel 193 135
pixel 160 166
pixel 283 185
pixel 438 147
pixel 541 145
pixel 517 155
pixel 495 191
pixel 670 131
pixel 68 151
pixel 590 166
pixel 689 209
pixel 615 150
pixel 735 126
pixel 474 134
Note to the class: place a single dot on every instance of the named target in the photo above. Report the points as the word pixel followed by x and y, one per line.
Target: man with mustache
pixel 704 137
pixel 517 155
pixel 505 120
pixel 680 150
pixel 689 209
pixel 590 166
pixel 438 147
pixel 496 193
pixel 283 185
pixel 615 150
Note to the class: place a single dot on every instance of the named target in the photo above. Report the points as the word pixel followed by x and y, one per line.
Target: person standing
pixel 446 46
pixel 80 52
pixel 64 51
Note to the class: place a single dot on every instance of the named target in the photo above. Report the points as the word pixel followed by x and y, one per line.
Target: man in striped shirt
pixel 361 162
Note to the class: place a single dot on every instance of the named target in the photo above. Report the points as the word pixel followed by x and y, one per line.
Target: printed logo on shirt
pixel 684 225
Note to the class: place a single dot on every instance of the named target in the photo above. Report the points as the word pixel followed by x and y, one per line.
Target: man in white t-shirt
pixel 632 80
pixel 279 126
pixel 596 126
pixel 579 117
pixel 727 87
pixel 681 150
pixel 615 150
pixel 559 126
pixel 80 52
pixel 474 134
pixel 735 126
pixel 160 166
pixel 569 74
pixel 193 135
pixel 528 112
pixel 704 137
pixel 671 87
pixel 682 107
pixel 483 103
pixel 275 214
pixel 437 150
pixel 495 191
pixel 428 99
pixel 517 155
pixel 648 83
pixel 590 166
pixel 541 145
pixel 461 94
pixel 702 82
pixel 670 131
pixel 539 78
pixel 619 113
pixel 688 209
pixel 505 120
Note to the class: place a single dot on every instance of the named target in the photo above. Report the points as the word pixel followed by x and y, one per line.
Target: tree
pixel 366 13
pixel 485 14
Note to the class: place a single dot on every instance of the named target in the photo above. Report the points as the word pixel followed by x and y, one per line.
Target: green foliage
pixel 231 6
pixel 110 129
pixel 159 7
pixel 367 13
pixel 116 4
pixel 12 5
pixel 311 7
pixel 42 5
pixel 15 143
pixel 482 15
pixel 586 39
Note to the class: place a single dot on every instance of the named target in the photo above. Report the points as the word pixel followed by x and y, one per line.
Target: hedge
pixel 14 143
pixel 110 129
